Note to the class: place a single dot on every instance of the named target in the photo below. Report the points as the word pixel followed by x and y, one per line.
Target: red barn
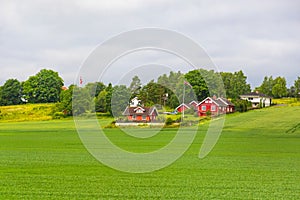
pixel 182 107
pixel 214 106
pixel 141 114
pixel 194 104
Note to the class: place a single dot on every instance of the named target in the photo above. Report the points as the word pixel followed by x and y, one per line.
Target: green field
pixel 256 157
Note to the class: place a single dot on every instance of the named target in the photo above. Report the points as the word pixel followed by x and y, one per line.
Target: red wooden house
pixel 215 106
pixel 193 104
pixel 182 107
pixel 141 114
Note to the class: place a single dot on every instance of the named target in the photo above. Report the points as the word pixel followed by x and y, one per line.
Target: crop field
pixel 256 157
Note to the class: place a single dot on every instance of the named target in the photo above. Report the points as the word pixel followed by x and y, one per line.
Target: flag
pixel 80 80
pixel 187 83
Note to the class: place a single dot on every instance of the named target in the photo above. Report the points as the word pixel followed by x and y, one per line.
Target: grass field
pixel 257 157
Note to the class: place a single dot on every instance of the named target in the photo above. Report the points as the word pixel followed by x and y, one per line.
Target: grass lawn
pixel 256 157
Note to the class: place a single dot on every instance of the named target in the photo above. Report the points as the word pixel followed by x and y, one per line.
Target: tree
pixel 103 100
pixel 198 83
pixel 95 88
pixel 235 84
pixel 297 87
pixel 279 89
pixel 135 86
pixel 65 104
pixel 81 101
pixel 44 87
pixel 266 86
pixel 120 99
pixel 11 92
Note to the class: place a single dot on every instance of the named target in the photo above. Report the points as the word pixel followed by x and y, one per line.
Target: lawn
pixel 256 157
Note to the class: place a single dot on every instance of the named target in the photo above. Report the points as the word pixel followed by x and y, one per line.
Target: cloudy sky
pixel 259 37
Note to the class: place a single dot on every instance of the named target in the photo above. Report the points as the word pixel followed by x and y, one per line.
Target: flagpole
pixel 183 102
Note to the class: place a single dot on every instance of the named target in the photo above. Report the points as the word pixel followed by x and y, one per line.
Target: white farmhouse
pixel 257 98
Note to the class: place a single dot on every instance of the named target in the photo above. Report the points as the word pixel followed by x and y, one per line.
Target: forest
pixel 168 90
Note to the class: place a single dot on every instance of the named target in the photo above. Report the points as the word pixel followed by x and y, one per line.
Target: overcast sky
pixel 259 37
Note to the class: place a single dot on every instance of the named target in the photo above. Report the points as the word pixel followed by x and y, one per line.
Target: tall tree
pixel 266 86
pixel 279 89
pixel 65 104
pixel 235 84
pixel 95 88
pixel 44 87
pixel 198 83
pixel 11 92
pixel 135 86
pixel 120 99
pixel 297 87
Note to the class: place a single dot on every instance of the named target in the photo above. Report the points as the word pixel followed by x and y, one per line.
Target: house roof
pixel 255 94
pixel 145 110
pixel 218 102
pixel 193 102
pixel 226 101
pixel 183 104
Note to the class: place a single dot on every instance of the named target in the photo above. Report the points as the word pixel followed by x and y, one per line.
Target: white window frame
pixel 213 108
pixel 203 108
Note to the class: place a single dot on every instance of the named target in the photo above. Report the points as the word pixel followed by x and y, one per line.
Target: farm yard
pixel 256 157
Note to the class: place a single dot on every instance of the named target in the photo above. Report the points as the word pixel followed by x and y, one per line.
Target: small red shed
pixel 182 107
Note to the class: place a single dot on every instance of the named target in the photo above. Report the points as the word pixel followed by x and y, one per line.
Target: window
pixel 203 108
pixel 133 116
pixel 144 117
pixel 213 108
pixel 250 98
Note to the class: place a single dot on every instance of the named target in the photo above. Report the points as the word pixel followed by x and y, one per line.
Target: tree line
pixel 167 90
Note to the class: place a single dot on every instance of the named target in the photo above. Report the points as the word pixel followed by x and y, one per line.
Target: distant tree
pixel 266 86
pixel 135 86
pixel 44 87
pixel 198 83
pixel 11 92
pixel 65 104
pixel 279 89
pixel 103 100
pixel 81 101
pixel 95 88
pixel 235 84
pixel 100 102
pixel 297 87
pixel 120 99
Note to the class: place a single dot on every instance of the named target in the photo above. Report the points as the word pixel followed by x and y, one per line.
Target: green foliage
pixel 241 105
pixel 198 83
pixel 82 101
pixel 65 104
pixel 10 93
pixel 95 88
pixel 44 87
pixel 279 89
pixel 120 99
pixel 169 121
pixel 297 87
pixel 135 86
pixel 266 86
pixel 235 84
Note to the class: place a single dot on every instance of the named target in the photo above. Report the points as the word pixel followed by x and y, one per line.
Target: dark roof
pixel 226 101
pixel 146 110
pixel 255 94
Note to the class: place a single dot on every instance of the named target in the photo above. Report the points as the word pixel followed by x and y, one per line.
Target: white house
pixel 257 98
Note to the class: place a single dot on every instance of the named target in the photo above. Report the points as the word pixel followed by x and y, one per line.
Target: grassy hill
pixel 256 157
pixel 27 112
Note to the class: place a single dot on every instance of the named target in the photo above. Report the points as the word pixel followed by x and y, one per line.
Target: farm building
pixel 257 99
pixel 182 107
pixel 141 114
pixel 215 106
pixel 193 104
